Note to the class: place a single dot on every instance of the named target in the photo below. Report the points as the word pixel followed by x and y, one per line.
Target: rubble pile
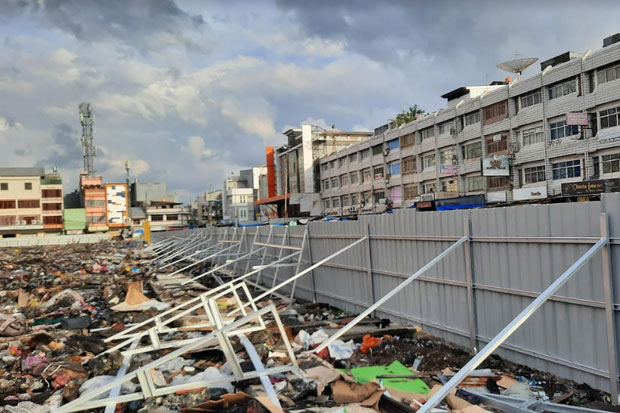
pixel 59 304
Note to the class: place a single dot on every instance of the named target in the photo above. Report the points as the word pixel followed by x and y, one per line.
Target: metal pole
pixel 369 277
pixel 510 328
pixel 469 276
pixel 610 324
pixel 389 295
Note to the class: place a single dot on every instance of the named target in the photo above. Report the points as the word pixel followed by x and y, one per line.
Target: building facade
pixel 30 202
pixel 94 194
pixel 238 196
pixel 166 216
pixel 555 134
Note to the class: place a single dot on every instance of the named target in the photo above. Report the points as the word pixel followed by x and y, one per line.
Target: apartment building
pixel 94 196
pixel 552 135
pixel 239 195
pixel 166 216
pixel 30 202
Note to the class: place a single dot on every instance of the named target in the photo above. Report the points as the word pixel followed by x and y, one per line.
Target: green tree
pixel 407 116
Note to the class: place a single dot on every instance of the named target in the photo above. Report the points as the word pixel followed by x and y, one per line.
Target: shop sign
pixel 591 187
pixel 496 165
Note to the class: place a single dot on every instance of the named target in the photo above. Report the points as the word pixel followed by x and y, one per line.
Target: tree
pixel 407 116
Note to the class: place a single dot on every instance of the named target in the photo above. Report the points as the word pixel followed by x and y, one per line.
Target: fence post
pixel 369 277
pixel 471 298
pixel 309 243
pixel 612 354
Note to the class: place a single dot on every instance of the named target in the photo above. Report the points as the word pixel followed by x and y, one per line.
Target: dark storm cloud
pixel 137 23
pixel 66 151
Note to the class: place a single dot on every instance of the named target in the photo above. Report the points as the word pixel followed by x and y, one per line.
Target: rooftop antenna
pixel 517 65
pixel 87 119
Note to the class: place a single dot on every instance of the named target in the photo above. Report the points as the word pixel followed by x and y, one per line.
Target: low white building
pixel 167 216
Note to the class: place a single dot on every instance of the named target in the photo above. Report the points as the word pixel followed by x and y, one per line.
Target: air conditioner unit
pixel 23 222
pixel 16 222
pixel 386 152
pixel 352 209
pixel 382 201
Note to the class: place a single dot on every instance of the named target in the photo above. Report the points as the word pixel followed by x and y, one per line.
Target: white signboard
pixel 608 133
pixel 496 165
pixel 499 196
pixel 535 192
pixel 577 118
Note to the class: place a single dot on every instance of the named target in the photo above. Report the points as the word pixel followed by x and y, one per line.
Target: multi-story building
pixel 117 203
pixel 207 209
pixel 297 170
pixel 94 195
pixel 552 135
pixel 239 195
pixel 142 193
pixel 166 216
pixel 30 202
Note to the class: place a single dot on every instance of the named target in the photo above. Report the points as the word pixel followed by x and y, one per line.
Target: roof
pixel 456 93
pixel 137 213
pixel 22 172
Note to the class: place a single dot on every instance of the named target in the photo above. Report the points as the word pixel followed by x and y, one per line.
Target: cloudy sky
pixel 191 90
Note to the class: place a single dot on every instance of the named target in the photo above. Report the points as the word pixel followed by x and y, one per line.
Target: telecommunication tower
pixel 87 119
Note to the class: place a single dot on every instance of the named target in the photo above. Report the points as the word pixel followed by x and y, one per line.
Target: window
pixel 610 117
pixel 4 186
pixel 449 185
pixel 7 204
pixel 411 191
pixel 428 161
pixel 429 187
pixel 341 161
pixel 334 182
pixel 345 201
pixel 95 203
pixel 28 203
pixel 325 184
pixel 531 99
pixel 327 203
pixel 608 74
pixel 324 166
pixel 28 186
pixel 56 220
pixel 367 175
pixel 366 197
pixel 157 217
pixel 378 172
pixel 176 217
pixel 563 88
pixel 394 169
pixel 7 220
pixel 377 149
pixel 472 150
pixel 353 157
pixel 354 178
pixel 495 112
pixel 379 196
pixel 475 183
pixel 355 199
pixel 407 140
pixel 427 133
pixel 335 202
pixel 472 118
pixel 52 207
pixel 561 130
pixel 332 164
pixel 51 193
pixel 445 157
pixel 445 127
pixel 568 169
pixel 344 180
pixel 393 144
pixel 534 174
pixel 532 136
pixel 611 163
pixel 497 143
pixel 409 165
pixel 365 154
pixel 496 182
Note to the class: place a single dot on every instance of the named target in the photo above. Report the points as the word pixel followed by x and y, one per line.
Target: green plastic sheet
pixel 366 374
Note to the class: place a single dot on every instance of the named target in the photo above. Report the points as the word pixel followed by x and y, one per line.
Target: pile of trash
pixel 59 305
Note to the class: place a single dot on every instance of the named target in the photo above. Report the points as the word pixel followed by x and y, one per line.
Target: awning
pixel 272 200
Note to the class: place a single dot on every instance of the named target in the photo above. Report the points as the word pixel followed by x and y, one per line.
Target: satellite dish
pixel 517 65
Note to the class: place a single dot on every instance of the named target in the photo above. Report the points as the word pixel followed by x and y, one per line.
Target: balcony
pixel 52 213
pixel 51 200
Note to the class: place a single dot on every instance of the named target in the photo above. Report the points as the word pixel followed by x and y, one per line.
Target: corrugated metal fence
pixel 514 254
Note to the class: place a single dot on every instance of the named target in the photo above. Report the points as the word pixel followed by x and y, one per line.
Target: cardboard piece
pixel 134 294
pixel 23 298
pixel 323 375
pixel 472 409
pixel 344 392
pixel 226 403
pixel 136 301
pixel 453 401
pixel 507 382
